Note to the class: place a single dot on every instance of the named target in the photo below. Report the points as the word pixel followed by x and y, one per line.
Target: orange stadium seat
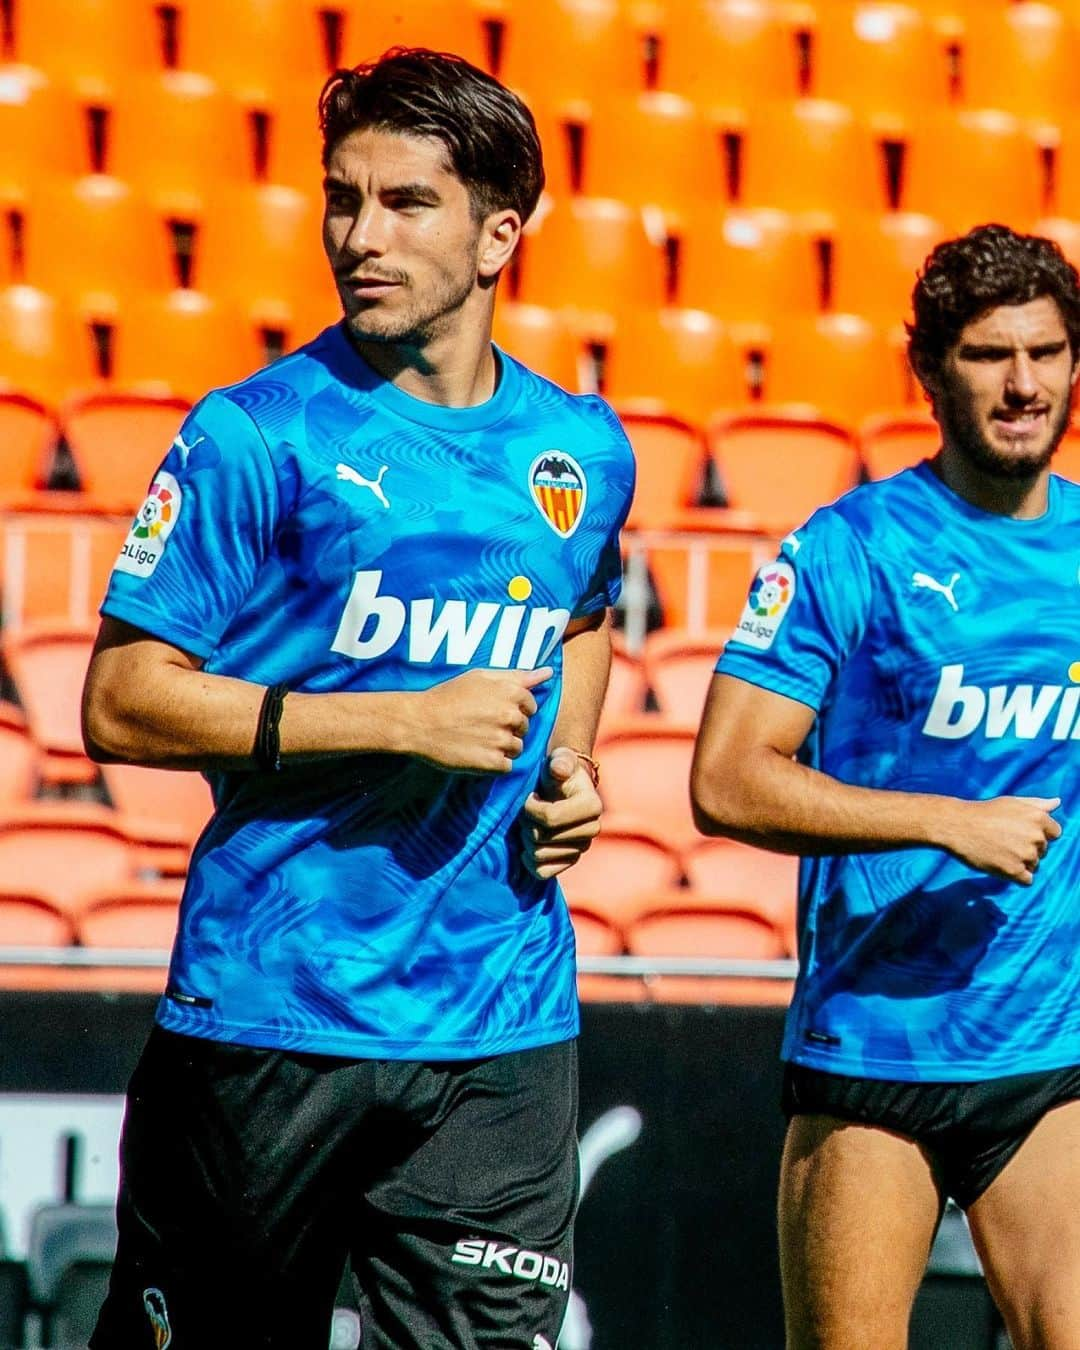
pixel 890 442
pixel 749 878
pixel 682 927
pixel 65 850
pixel 728 54
pixel 95 46
pixel 259 248
pixel 646 773
pixel 184 342
pixel 781 465
pixel 179 799
pixel 841 364
pixel 1037 45
pixel 672 462
pixel 47 664
pixel 124 245
pixel 679 668
pixel 295 141
pixel 252 47
pixel 178 139
pixel 627 863
pixel 372 28
pixel 625 696
pixel 684 362
pixel 30 920
pixel 55 564
pixel 876 260
pixel 884 61
pixel 570 53
pixel 1064 226
pixel 131 914
pixel 117 440
pixel 1064 232
pixel 28 436
pixel 46 346
pixel 592 258
pixel 811 155
pixel 43 130
pixel 969 167
pixel 541 339
pixel 595 936
pixel 684 165
pixel 702 570
pixel 1067 460
pixel 747 267
pixel 20 757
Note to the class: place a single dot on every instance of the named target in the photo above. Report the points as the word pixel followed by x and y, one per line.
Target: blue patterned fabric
pixel 317 526
pixel 940 648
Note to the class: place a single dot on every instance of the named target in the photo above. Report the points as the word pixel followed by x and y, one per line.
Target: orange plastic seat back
pixel 702 575
pixel 680 668
pixel 626 863
pixel 625 695
pixel 46 346
pixel 876 261
pixel 890 443
pixel 28 434
pixel 732 935
pixel 1037 44
pixel 43 130
pixel 171 797
pixel 48 667
pixel 252 47
pixel 671 461
pixel 55 566
pixel 140 914
pixel 118 440
pixel 94 45
pixel 541 339
pixel 840 364
pixel 724 871
pixel 781 467
pixel 20 757
pixel 733 53
pixel 63 851
pixel 645 772
pixel 371 29
pixel 29 920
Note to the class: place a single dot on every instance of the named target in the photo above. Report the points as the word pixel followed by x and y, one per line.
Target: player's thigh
pixel 1026 1229
pixel 227 1218
pixel 858 1207
pixel 468 1244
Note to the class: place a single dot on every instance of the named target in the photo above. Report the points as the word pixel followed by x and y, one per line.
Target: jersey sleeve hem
pixel 149 619
pixel 775 681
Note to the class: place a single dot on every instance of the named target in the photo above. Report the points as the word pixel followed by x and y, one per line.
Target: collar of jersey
pixel 353 370
pixel 952 500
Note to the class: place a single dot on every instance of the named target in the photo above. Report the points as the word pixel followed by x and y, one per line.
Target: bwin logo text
pixel 1022 711
pixel 523 636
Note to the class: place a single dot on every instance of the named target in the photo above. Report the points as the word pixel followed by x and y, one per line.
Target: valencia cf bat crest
pixel 557 482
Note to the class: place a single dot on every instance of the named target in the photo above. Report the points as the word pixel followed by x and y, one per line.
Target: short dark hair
pixel 489 133
pixel 991 265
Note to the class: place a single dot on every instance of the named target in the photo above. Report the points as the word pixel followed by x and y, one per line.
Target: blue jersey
pixel 938 645
pixel 314 525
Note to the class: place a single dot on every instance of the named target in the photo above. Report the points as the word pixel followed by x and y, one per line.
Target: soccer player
pixel 900 705
pixel 368 596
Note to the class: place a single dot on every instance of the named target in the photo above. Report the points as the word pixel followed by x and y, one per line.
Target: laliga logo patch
pixel 557 483
pixel 151 527
pixel 158 1313
pixel 767 605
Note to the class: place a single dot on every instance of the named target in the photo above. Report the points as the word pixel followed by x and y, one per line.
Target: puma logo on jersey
pixel 347 475
pixel 183 446
pixel 1022 711
pixel 522 636
pixel 928 583
pixel 515 1261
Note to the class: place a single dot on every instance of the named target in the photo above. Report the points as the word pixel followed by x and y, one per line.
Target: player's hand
pixel 477 721
pixel 1005 836
pixel 562 817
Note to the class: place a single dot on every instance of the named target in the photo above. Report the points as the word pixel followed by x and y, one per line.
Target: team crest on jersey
pixel 766 606
pixel 557 483
pixel 153 524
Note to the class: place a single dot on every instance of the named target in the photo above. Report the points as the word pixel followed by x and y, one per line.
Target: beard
pixel 961 428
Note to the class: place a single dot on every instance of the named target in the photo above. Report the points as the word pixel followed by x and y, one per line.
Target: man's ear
pixel 498 239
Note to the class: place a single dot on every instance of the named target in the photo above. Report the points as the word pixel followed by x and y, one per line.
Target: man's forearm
pixel 586 666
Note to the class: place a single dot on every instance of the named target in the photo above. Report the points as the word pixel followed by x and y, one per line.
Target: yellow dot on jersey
pixel 1074 672
pixel 520 588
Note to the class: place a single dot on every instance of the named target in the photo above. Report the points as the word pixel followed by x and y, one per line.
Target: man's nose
pixel 1021 383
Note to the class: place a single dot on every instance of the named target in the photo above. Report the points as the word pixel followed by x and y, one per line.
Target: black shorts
pixel 249 1178
pixel 968 1131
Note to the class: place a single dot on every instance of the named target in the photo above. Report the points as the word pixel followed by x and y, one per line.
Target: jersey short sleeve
pixel 202 533
pixel 605 585
pixel 805 612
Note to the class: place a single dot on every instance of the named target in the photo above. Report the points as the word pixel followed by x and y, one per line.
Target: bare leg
pixel 857 1214
pixel 1026 1229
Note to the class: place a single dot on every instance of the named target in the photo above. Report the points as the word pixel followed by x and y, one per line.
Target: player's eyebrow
pixel 991 351
pixel 420 192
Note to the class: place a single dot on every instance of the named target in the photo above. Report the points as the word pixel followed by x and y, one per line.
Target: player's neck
pixel 456 369
pixel 1022 498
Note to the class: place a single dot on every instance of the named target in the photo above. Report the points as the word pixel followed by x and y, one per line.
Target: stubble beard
pixel 962 430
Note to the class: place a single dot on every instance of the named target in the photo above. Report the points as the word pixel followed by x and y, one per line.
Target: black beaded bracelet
pixel 267 751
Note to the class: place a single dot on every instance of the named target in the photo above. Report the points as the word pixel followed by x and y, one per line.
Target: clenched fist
pixel 562 818
pixel 476 722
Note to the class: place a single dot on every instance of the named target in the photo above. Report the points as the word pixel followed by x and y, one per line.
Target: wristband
pixel 593 765
pixel 267 749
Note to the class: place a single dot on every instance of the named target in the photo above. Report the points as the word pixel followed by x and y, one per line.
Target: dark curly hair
pixel 991 265
pixel 489 134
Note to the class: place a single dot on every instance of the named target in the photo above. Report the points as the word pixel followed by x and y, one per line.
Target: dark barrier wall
pixel 676 1235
